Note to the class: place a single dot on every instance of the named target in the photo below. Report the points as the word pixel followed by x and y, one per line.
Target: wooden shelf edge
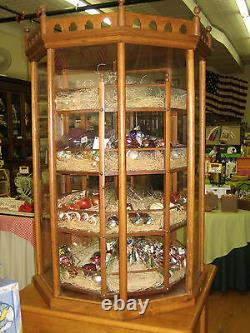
pixel 128 110
pixel 115 173
pixel 85 233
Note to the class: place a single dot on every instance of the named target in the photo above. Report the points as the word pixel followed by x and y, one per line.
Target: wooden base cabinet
pixel 37 317
pixel 119 196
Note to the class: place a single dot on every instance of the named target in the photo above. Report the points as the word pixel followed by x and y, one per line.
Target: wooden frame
pixel 138 29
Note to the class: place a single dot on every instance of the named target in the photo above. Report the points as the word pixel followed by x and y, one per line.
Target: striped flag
pixel 225 95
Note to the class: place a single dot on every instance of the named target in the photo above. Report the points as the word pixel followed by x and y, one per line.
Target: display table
pixel 16 248
pixel 224 232
pixel 38 318
pixel 218 190
pixel 227 245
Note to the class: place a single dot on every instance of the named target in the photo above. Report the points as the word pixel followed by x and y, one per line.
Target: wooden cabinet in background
pixel 243 166
pixel 15 125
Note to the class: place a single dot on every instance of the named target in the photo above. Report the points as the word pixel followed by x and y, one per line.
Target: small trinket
pixel 156 205
pixel 130 241
pixel 112 221
pixel 108 257
pixel 97 279
pixel 133 154
pixel 65 261
pixel 182 199
pixel 93 219
pixel 61 215
pixel 146 143
pixel 89 269
pixel 132 134
pixel 136 218
pixel 152 144
pixel 174 197
pixel 84 216
pixel 147 219
pixel 95 199
pixel 139 137
pixel 129 206
pixel 73 271
pixel 61 155
pixel 128 141
pixel 96 259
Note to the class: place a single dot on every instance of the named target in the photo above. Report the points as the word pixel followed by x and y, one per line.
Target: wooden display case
pixel 119 196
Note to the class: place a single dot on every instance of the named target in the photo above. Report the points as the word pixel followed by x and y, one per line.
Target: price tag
pixel 24 170
pixel 96 143
pixel 214 167
pixel 84 139
pixel 78 123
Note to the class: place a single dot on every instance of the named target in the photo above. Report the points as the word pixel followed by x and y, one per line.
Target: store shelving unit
pixel 15 125
pixel 107 125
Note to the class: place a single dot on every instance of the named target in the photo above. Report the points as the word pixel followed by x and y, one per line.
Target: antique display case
pixel 118 159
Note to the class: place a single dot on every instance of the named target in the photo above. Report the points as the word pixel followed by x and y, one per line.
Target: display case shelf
pixel 130 234
pixel 115 173
pixel 110 235
pixel 128 110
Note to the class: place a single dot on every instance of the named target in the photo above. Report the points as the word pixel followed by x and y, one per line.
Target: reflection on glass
pixel 3 117
pixel 16 116
pixel 27 117
pixel 45 222
pixel 17 152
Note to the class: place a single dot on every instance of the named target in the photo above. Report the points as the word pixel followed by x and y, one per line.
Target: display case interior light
pixel 91 11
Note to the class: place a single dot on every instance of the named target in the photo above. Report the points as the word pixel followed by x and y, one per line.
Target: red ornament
pixel 85 203
pixel 95 199
pixel 174 197
pixel 89 269
pixel 26 207
pixel 96 259
pixel 75 206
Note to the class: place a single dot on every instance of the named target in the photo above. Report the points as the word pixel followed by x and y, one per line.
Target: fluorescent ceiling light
pixel 247 22
pixel 77 3
pixel 107 21
pixel 242 7
pixel 244 13
pixel 92 11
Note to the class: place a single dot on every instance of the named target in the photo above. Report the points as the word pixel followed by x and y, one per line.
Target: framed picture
pixel 223 135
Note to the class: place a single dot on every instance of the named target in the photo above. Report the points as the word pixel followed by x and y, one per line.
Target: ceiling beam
pixel 103 5
pixel 216 33
pixel 7 9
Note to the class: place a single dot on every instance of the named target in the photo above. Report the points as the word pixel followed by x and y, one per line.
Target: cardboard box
pixel 244 204
pixel 229 203
pixel 10 312
pixel 211 201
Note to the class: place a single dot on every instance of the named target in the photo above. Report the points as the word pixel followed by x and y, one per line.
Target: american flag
pixel 225 95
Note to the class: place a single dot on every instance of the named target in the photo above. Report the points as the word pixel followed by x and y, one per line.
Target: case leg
pixel 203 321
